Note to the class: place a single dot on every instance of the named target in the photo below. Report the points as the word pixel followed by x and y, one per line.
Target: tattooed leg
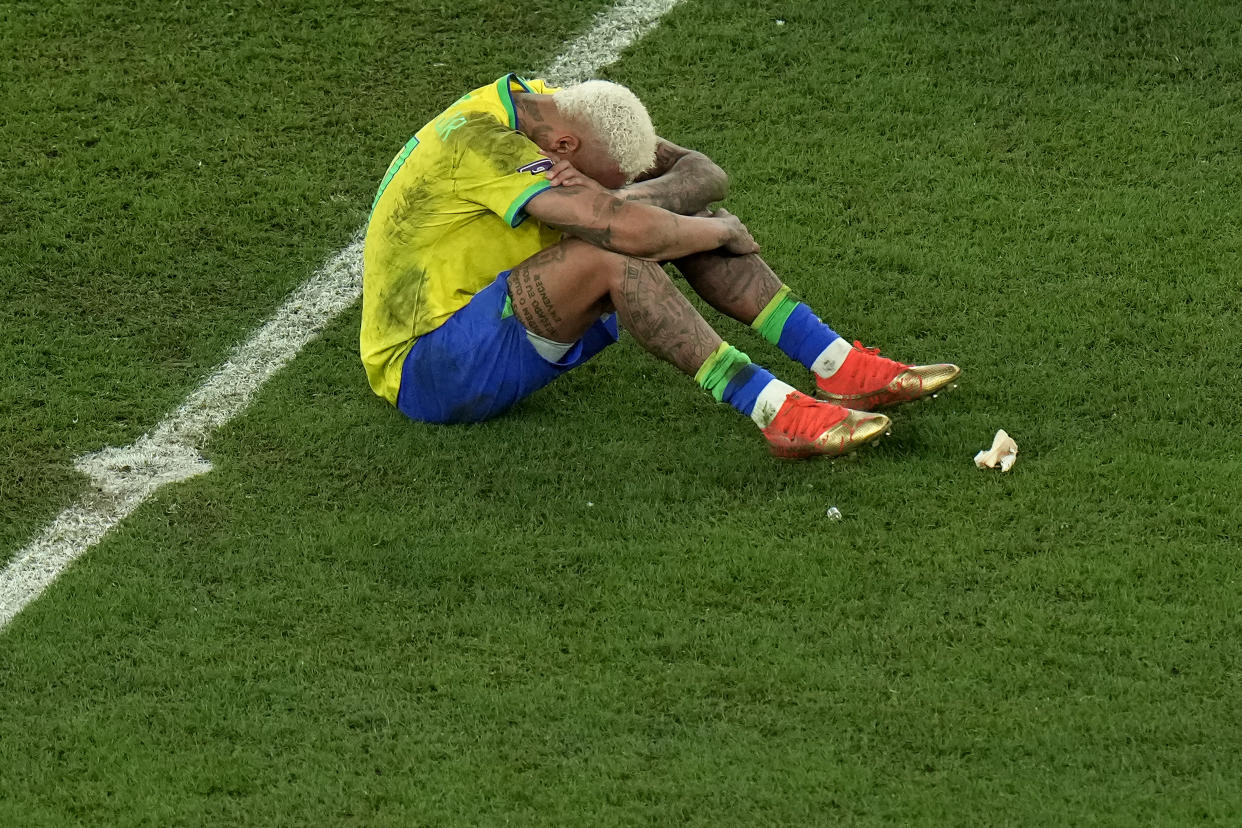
pixel 738 286
pixel 559 292
pixel 661 318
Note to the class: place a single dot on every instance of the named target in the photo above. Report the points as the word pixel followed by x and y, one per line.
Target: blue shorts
pixel 480 362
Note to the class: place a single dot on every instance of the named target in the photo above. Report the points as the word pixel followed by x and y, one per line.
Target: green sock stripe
pixel 710 363
pixel 771 320
pixel 720 367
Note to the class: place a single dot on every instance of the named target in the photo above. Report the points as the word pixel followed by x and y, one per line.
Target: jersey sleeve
pixel 498 168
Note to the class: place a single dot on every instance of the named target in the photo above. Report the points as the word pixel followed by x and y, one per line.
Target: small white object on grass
pixel 1003 453
pixel 834 513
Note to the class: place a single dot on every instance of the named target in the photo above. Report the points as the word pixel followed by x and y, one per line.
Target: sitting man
pixel 512 231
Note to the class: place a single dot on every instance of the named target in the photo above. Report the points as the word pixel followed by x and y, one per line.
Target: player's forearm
pixel 631 228
pixel 654 233
pixel 688 187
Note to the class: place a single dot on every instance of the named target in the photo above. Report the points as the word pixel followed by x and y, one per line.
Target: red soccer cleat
pixel 867 381
pixel 806 427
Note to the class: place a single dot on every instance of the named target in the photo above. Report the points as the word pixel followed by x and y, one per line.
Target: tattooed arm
pixel 636 229
pixel 682 181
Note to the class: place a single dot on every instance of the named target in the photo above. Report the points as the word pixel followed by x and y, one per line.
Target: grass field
pixel 611 606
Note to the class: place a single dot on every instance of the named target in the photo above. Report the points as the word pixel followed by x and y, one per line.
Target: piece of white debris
pixel 1003 453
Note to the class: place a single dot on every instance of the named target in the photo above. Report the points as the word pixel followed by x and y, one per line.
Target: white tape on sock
pixel 831 358
pixel 770 400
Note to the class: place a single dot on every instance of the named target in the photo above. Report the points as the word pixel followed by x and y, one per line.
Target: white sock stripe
pixel 831 358
pixel 770 400
pixel 121 478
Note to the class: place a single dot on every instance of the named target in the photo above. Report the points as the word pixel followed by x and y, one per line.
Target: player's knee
pixel 607 260
pixel 586 258
pixel 605 266
pixel 611 271
pixel 623 270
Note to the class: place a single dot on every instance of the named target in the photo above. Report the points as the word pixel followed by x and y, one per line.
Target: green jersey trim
pixel 506 98
pixel 515 215
pixel 392 169
pixel 504 88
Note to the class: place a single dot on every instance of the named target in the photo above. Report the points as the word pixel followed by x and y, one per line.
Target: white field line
pixel 121 479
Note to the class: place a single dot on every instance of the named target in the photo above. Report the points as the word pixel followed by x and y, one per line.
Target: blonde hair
pixel 617 117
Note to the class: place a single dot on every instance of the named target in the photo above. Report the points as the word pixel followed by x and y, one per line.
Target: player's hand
pixel 740 240
pixel 565 174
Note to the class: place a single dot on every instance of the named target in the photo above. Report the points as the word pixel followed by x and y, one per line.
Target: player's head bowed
pixel 617 117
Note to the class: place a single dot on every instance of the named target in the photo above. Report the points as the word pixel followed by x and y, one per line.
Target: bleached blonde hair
pixel 617 117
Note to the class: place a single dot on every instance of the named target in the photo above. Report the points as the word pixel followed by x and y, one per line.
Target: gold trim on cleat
pixel 915 382
pixel 857 429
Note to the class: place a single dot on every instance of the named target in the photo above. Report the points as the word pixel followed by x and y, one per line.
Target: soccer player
pixel 514 230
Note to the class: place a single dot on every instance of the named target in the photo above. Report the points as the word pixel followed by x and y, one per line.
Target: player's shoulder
pixel 483 143
pixel 495 99
pixel 539 86
pixel 481 127
pixel 482 134
pixel 488 110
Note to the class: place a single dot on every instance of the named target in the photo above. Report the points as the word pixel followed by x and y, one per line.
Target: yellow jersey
pixel 449 216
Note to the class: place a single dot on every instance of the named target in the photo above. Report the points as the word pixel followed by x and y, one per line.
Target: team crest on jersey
pixel 536 167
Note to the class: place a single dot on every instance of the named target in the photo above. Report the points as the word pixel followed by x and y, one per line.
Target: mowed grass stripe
pixel 123 478
pixel 610 607
pixel 172 174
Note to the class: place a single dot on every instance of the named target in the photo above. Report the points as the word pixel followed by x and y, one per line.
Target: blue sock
pixel 804 336
pixel 730 376
pixel 743 389
pixel 794 328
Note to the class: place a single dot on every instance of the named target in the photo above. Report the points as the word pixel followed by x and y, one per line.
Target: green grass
pixel 610 606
